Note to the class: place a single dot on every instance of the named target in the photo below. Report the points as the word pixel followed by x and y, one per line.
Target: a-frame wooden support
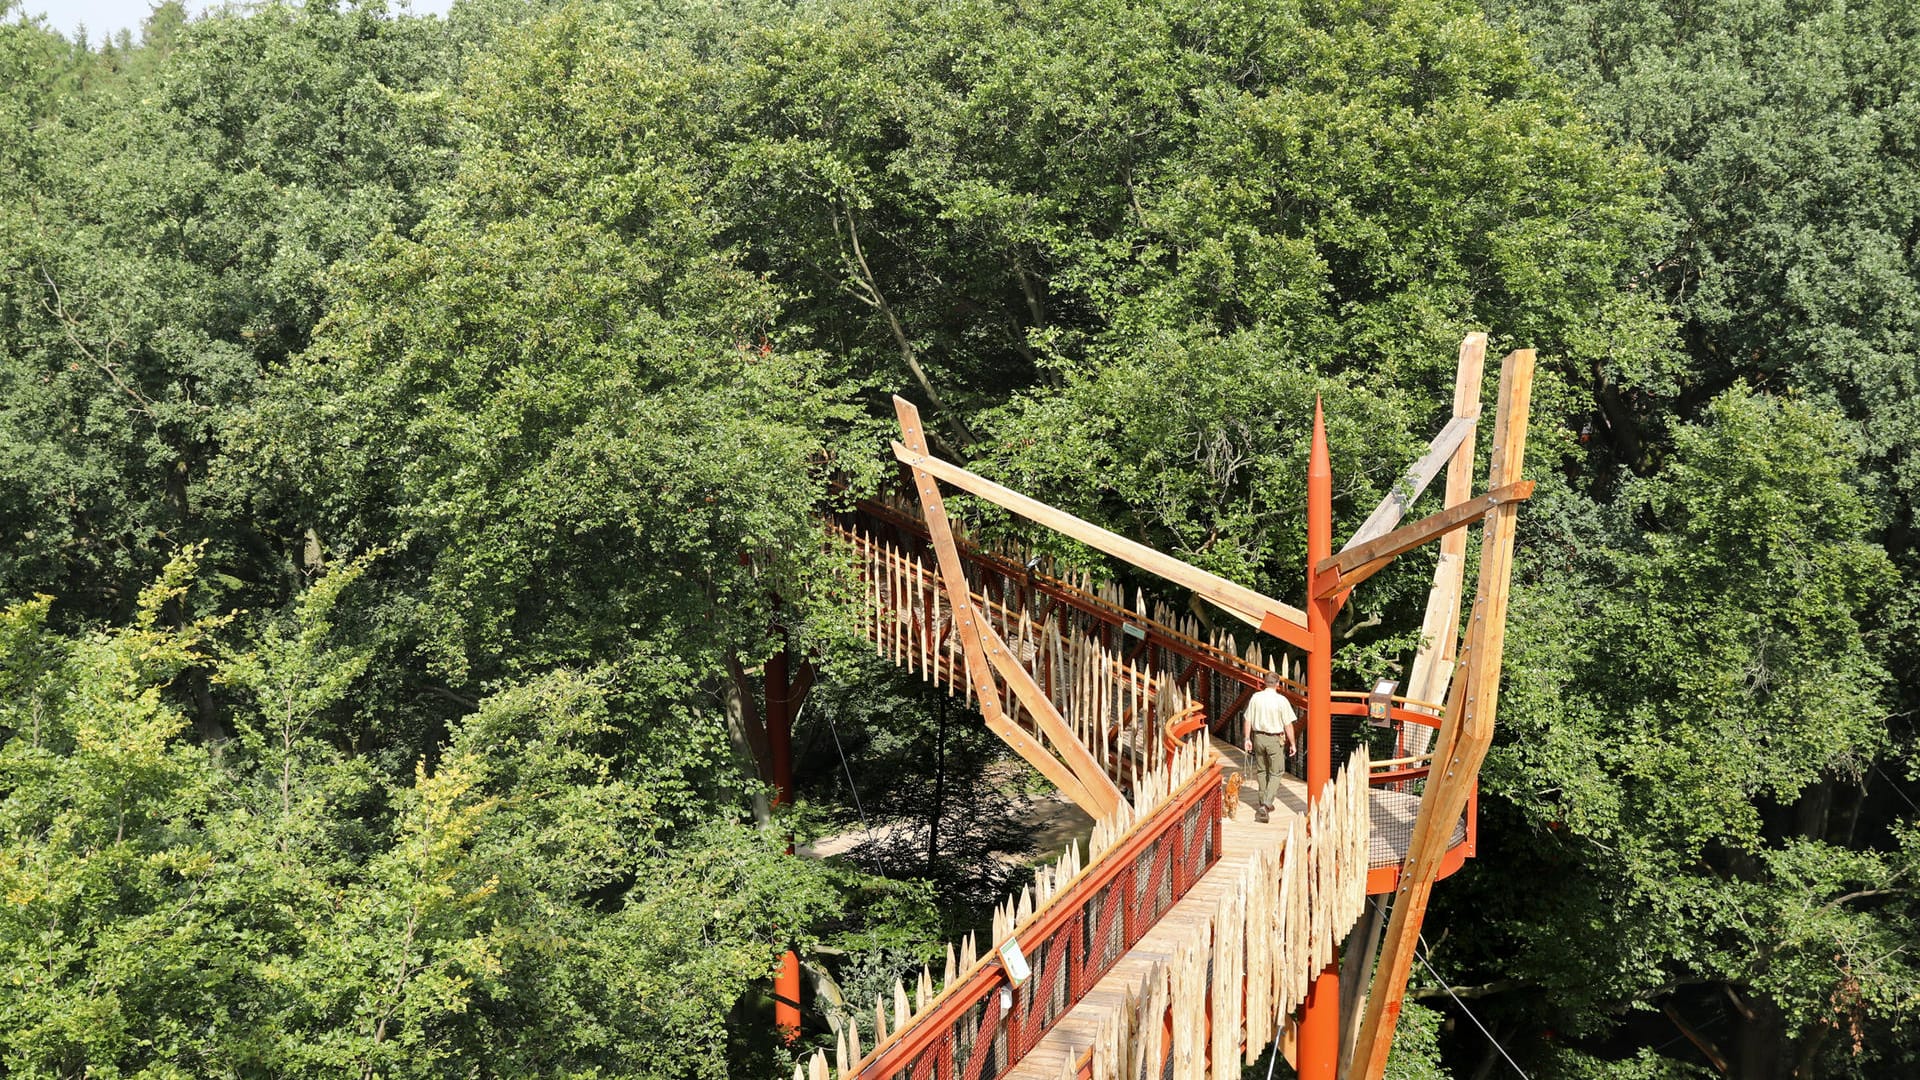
pixel 1074 771
pixel 1439 636
pixel 1465 734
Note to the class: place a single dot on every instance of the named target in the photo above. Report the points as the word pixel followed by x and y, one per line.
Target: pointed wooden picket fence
pixel 1117 708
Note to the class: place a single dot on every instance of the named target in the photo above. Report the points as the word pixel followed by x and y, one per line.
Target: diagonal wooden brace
pixel 1081 760
pixel 1284 621
pixel 1357 564
pixel 1439 452
pixel 1078 776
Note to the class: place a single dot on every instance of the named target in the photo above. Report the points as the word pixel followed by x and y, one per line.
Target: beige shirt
pixel 1269 713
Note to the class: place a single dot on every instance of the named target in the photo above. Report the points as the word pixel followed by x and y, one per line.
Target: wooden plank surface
pixel 1077 1030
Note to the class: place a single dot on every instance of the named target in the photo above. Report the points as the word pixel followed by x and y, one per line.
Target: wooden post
pixel 1465 733
pixel 1440 630
pixel 1319 1054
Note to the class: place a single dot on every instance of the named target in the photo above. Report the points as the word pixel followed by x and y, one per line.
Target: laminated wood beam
pixel 1351 567
pixel 1432 672
pixel 974 635
pixel 1394 506
pixel 1284 621
pixel 1093 779
pixel 1466 731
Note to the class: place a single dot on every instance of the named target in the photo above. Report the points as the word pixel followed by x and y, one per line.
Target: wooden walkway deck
pixel 1240 838
pixel 1391 812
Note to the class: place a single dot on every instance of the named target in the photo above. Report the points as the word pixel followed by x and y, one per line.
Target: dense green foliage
pixel 412 430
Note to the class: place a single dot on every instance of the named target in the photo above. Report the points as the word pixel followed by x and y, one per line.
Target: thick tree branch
pixel 1706 1047
pixel 104 361
pixel 1497 986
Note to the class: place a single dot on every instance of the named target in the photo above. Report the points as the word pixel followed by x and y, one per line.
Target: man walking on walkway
pixel 1269 720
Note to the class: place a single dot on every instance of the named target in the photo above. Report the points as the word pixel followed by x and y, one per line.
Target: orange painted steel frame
pixel 988 977
pixel 1319 1030
pixel 786 982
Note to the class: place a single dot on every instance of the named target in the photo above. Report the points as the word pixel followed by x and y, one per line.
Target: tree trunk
pixel 207 727
pixel 748 734
pixel 1762 1049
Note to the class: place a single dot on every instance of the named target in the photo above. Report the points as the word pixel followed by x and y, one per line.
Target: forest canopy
pixel 414 433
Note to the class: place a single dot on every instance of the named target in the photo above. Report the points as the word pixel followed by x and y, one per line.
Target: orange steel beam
pixel 1319 1053
pixel 1465 733
pixel 1071 781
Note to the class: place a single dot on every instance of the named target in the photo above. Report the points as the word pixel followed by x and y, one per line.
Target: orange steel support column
pixel 1319 1052
pixel 786 983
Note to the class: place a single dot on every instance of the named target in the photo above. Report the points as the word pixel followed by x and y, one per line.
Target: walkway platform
pixel 1240 839
pixel 1392 812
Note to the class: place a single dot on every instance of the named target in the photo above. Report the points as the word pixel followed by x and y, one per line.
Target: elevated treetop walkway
pixel 1186 939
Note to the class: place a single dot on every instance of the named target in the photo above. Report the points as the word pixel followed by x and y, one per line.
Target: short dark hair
pixel 1269 679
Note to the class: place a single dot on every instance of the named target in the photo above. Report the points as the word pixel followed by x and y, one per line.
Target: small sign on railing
pixel 1015 961
pixel 1380 703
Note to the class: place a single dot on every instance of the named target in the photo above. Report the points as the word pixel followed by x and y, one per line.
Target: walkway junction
pixel 1186 938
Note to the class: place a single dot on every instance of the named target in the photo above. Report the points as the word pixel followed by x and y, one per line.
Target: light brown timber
pixel 1418 476
pixel 1237 600
pixel 1440 629
pixel 1466 730
pixel 1360 563
pixel 966 625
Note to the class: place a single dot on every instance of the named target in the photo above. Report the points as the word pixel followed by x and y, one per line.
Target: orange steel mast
pixel 1319 1046
pixel 780 700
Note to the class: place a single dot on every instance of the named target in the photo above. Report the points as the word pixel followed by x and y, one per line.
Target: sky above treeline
pixel 106 18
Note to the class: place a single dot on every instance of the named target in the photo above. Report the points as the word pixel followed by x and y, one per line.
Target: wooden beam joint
pixel 1356 564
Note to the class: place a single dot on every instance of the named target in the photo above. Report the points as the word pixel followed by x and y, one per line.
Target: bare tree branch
pixel 104 360
pixel 869 293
